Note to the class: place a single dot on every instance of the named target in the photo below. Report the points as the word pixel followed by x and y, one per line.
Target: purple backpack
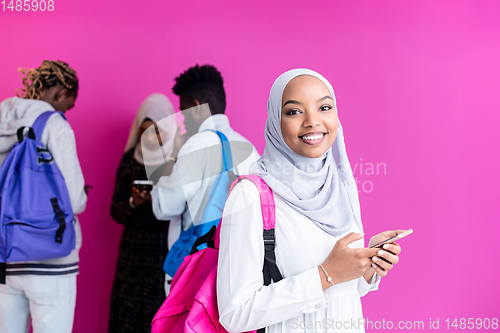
pixel 36 217
pixel 191 305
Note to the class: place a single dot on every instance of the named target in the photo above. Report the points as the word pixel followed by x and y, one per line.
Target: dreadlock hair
pixel 51 73
pixel 204 84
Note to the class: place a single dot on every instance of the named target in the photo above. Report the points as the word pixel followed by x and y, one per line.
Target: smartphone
pixel 143 185
pixel 393 239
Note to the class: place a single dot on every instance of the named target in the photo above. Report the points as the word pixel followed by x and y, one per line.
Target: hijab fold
pixel 321 188
pixel 157 108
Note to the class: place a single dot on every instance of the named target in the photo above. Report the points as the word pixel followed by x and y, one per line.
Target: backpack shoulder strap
pixel 270 269
pixel 266 199
pixel 40 122
pixel 226 150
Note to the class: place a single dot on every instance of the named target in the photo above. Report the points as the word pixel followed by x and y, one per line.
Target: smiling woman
pixel 310 119
pixel 318 231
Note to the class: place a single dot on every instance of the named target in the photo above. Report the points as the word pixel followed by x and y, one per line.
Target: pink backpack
pixel 191 305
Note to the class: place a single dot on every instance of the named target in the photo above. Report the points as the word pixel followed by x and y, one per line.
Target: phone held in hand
pixel 143 185
pixel 393 239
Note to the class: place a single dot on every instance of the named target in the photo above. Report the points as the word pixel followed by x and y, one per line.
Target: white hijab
pixel 160 110
pixel 321 188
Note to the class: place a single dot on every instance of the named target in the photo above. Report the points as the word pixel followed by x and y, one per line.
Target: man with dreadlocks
pixel 44 290
pixel 203 104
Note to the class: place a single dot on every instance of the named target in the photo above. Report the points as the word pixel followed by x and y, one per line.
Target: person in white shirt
pixel 45 289
pixel 185 192
pixel 318 233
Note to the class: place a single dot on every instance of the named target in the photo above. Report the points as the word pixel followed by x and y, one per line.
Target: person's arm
pixel 179 141
pixel 62 146
pixel 122 211
pixel 364 287
pixel 244 302
pixel 171 195
pixel 167 197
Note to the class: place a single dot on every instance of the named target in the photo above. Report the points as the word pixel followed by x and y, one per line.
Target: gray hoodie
pixel 59 139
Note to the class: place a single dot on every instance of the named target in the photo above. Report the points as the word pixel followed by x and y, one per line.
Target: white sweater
pixel 59 139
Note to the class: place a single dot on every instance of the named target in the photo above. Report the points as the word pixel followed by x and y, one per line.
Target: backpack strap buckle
pixel 270 269
pixel 269 240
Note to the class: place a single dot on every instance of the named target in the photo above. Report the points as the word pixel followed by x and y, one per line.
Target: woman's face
pixel 308 116
pixel 151 138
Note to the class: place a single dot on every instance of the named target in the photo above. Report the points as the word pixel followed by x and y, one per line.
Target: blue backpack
pixel 211 214
pixel 36 217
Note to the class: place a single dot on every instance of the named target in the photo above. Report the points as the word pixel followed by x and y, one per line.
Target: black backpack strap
pixel 3 272
pixel 270 269
pixel 205 239
pixel 60 218
pixel 20 133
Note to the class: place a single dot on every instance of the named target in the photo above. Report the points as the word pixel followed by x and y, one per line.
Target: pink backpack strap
pixel 270 269
pixel 266 199
pixel 266 202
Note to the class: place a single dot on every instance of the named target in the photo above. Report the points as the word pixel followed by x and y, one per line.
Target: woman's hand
pixel 179 141
pixel 139 197
pixel 344 263
pixel 386 257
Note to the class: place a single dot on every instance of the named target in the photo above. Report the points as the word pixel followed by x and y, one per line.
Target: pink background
pixel 417 86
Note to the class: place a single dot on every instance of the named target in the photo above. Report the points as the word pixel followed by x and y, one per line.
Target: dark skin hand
pixel 179 141
pixel 139 197
pixel 387 256
pixel 345 263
